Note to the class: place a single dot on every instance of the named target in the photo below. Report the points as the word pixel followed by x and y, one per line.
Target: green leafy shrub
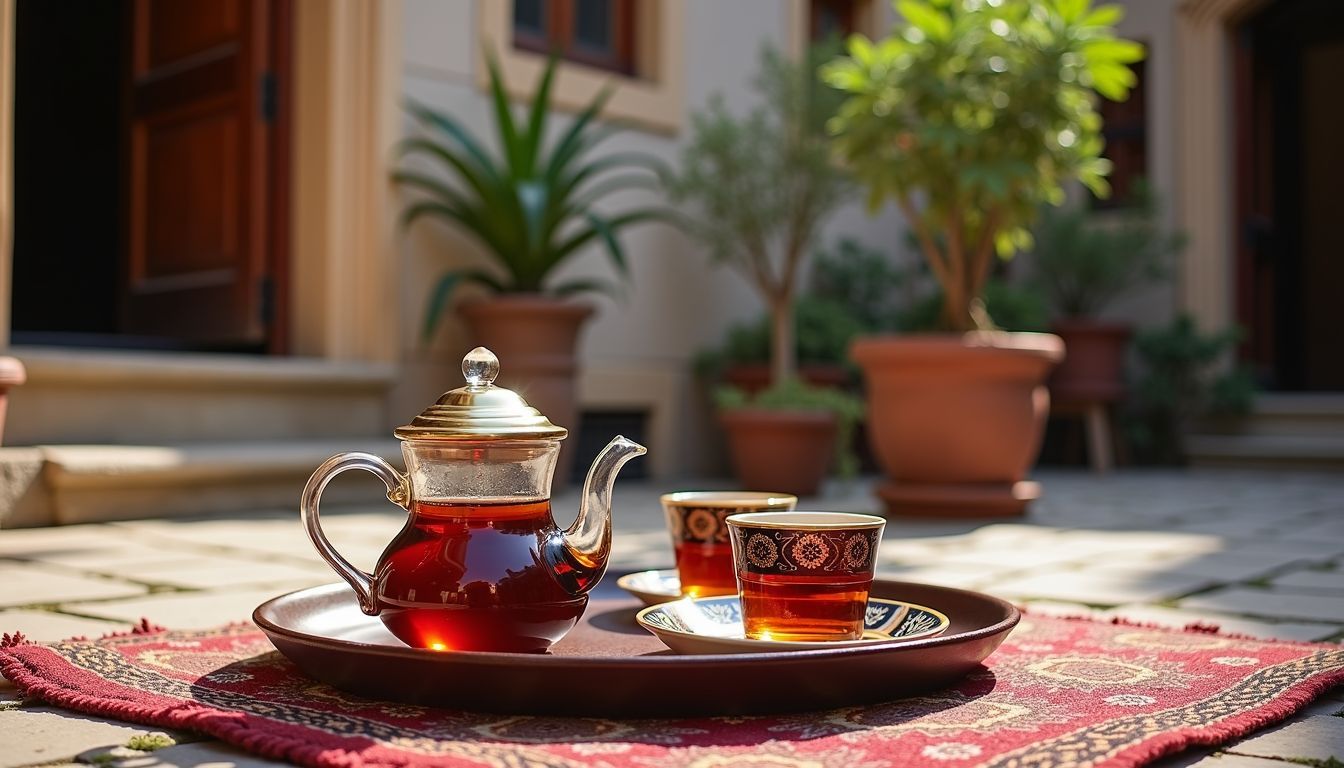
pixel 1178 384
pixel 970 115
pixel 1084 261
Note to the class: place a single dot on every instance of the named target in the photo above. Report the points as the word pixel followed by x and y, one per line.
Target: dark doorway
pixel 150 173
pixel 1289 155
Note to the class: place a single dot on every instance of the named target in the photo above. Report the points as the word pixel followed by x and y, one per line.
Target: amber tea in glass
pixel 804 576
pixel 697 522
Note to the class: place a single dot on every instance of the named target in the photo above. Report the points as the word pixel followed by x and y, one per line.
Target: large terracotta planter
pixel 1095 367
pixel 535 338
pixel 956 421
pixel 780 450
pixel 12 374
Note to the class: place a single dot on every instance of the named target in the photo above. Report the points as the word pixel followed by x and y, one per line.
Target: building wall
pixel 640 348
pixel 1153 23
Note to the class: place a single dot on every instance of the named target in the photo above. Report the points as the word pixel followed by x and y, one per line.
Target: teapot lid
pixel 480 410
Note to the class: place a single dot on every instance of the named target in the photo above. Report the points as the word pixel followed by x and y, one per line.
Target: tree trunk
pixel 783 351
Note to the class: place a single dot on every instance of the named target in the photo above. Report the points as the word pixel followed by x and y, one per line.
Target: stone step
pixel 94 483
pixel 1257 450
pixel 1280 413
pixel 152 398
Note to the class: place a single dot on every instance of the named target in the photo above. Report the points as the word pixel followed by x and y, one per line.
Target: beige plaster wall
pixel 1153 22
pixel 638 350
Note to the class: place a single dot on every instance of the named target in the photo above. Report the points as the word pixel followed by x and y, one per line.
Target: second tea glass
pixel 804 576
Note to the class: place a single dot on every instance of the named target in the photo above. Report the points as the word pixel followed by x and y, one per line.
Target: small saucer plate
pixel 652 587
pixel 714 625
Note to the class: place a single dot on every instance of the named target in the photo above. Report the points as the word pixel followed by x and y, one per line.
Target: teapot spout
pixel 587 543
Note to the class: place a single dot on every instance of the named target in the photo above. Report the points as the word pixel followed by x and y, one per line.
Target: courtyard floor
pixel 1255 552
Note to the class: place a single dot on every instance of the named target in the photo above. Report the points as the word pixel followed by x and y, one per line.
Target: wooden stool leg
pixel 1099 438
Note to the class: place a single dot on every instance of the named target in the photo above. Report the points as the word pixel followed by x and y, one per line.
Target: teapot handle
pixel 397 492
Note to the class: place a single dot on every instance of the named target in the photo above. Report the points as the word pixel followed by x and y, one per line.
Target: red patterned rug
pixel 1058 693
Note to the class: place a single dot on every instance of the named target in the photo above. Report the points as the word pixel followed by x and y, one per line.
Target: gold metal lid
pixel 480 410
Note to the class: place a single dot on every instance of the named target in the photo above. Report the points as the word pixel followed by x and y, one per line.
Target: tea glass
pixel 696 520
pixel 804 576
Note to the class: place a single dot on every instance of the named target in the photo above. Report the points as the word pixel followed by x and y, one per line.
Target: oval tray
pixel 609 666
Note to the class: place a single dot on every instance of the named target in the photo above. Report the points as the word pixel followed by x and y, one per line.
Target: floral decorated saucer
pixel 714 625
pixel 652 587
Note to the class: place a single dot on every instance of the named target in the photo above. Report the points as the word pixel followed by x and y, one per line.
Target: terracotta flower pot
pixel 12 374
pixel 780 450
pixel 535 338
pixel 1095 366
pixel 956 422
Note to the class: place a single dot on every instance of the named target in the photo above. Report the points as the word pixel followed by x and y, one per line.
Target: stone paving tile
pixel 31 585
pixel 201 754
pixel 37 735
pixel 1226 760
pixel 963 576
pixel 48 627
pixel 1328 582
pixel 181 610
pixel 224 573
pixel 1324 706
pixel 1231 565
pixel 1319 550
pixel 1239 625
pixel 1271 603
pixel 1313 738
pixel 54 539
pixel 1101 585
pixel 100 557
pixel 1021 557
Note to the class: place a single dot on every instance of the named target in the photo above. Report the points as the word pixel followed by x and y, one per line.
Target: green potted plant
pixel 532 207
pixel 1179 384
pixel 1083 261
pixel 969 115
pixel 760 184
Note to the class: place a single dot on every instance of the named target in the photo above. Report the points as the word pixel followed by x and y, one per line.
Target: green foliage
pixel 795 395
pixel 533 207
pixel 824 330
pixel 849 293
pixel 861 281
pixel 757 185
pixel 1083 261
pixel 982 111
pixel 1177 385
pixel 148 742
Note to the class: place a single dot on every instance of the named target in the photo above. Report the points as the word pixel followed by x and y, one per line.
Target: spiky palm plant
pixel 532 207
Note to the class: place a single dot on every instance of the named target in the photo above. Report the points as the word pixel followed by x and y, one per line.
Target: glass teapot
pixel 480 564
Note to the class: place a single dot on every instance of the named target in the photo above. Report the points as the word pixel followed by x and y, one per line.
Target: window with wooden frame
pixel 1125 128
pixel 597 33
pixel 829 19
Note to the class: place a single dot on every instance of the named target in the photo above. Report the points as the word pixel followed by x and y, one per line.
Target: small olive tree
pixel 973 113
pixel 759 184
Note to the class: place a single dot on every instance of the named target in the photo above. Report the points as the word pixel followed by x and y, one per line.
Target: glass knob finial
pixel 480 367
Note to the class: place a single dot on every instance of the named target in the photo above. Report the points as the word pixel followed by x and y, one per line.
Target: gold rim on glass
pixel 727 499
pixel 807 521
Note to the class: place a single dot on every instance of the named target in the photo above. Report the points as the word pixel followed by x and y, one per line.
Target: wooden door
pixel 200 98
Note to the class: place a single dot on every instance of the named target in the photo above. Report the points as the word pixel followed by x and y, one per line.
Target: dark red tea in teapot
pixel 477 576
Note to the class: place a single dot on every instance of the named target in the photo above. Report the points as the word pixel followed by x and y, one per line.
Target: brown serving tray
pixel 609 666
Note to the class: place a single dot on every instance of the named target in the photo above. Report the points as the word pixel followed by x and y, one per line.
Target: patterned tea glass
pixel 804 576
pixel 700 536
